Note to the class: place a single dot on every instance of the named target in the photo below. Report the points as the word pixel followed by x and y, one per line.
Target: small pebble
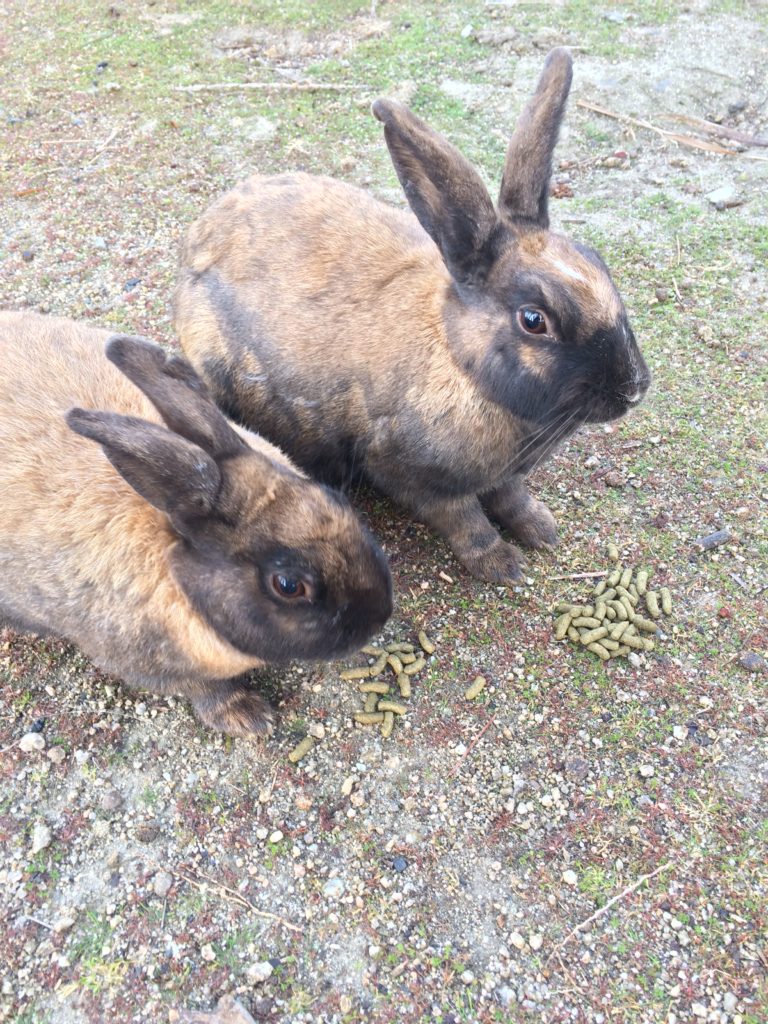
pixel 334 888
pixel 399 864
pixel 680 732
pixel 259 972
pixel 730 1002
pixel 57 754
pixel 536 942
pixel 62 924
pixel 207 953
pixel 646 770
pixel 699 1010
pixel 32 741
pixel 570 877
pixel 467 977
pixel 162 883
pixel 41 838
pixel 111 801
pixel 517 940
pixel 276 836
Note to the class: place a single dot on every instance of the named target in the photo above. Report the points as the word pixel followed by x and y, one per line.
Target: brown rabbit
pixel 443 356
pixel 178 552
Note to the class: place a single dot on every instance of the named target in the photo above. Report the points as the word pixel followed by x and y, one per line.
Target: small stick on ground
pixel 268 87
pixel 472 745
pixel 607 906
pixel 236 897
pixel 581 575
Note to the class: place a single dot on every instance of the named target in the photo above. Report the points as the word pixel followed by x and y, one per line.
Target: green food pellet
pixel 599 650
pixel 426 644
pixel 587 621
pixel 626 578
pixel 414 667
pixel 476 688
pixel 395 648
pixel 623 592
pixel 618 630
pixel 371 700
pixel 592 635
pixel 395 663
pixel 387 725
pixel 301 750
pixel 378 666
pixel 562 607
pixel 404 682
pixel 374 652
pixel 393 706
pixel 368 717
pixel 652 604
pixel 641 581
pixel 608 644
pixel 622 651
pixel 600 588
pixel 610 613
pixel 573 634
pixel 609 595
pixel 355 673
pixel 613 552
pixel 561 626
pixel 600 609
pixel 645 624
pixel 648 644
pixel 634 641
pixel 407 659
pixel 614 578
pixel 666 600
pixel 621 611
pixel 374 687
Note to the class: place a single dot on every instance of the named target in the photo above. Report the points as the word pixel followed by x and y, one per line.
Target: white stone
pixel 699 1010
pixel 259 972
pixel 276 836
pixel 317 729
pixel 32 741
pixel 729 1002
pixel 536 941
pixel 646 770
pixel 162 883
pixel 570 877
pixel 261 832
pixel 41 837
pixel 467 977
pixel 57 754
pixel 207 953
pixel 680 732
pixel 517 940
pixel 334 888
pixel 63 924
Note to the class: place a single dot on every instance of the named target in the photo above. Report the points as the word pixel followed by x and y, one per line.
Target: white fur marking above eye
pixel 567 271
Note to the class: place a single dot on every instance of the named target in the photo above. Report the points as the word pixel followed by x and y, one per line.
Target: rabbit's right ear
pixel 169 472
pixel 445 192
pixel 178 394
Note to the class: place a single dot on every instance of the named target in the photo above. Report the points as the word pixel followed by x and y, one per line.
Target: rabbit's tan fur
pixel 368 341
pixel 83 555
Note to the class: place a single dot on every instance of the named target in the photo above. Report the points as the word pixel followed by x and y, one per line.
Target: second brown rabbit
pixel 442 356
pixel 175 549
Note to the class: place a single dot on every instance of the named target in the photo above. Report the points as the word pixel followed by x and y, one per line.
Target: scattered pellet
pixel 609 645
pixel 404 682
pixel 373 652
pixel 477 687
pixel 355 673
pixel 407 659
pixel 395 648
pixel 666 600
pixel 301 749
pixel 395 663
pixel 573 634
pixel 623 592
pixel 610 613
pixel 393 706
pixel 614 578
pixel 652 604
pixel 613 552
pixel 378 666
pixel 592 635
pixel 625 578
pixel 376 687
pixel 414 667
pixel 387 724
pixel 641 581
pixel 561 626
pixel 599 650
pixel 618 630
pixel 600 588
pixel 371 700
pixel 645 624
pixel 426 644
pixel 588 621
pixel 368 717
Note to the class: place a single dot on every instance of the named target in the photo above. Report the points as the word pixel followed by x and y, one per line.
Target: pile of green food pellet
pixel 614 623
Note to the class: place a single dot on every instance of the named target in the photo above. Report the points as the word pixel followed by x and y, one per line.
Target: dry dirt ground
pixel 586 842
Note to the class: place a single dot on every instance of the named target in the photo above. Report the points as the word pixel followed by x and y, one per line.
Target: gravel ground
pixel 584 842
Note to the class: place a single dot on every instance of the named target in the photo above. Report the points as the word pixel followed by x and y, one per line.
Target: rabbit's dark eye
pixel 288 588
pixel 532 321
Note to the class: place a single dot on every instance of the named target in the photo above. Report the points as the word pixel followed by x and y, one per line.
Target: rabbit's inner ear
pixel 525 184
pixel 444 191
pixel 166 470
pixel 178 394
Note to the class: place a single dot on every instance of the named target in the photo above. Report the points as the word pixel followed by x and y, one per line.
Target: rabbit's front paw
pixel 534 525
pixel 500 563
pixel 240 712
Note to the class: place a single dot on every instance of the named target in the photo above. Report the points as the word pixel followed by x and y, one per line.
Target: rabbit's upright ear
pixel 444 190
pixel 178 394
pixel 166 470
pixel 528 168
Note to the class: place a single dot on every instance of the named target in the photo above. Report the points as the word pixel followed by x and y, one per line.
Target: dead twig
pixel 472 746
pixel 268 87
pixel 581 575
pixel 721 131
pixel 235 897
pixel 607 906
pixel 684 140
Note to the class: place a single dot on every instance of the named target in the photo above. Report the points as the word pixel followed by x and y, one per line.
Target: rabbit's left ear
pixel 525 185
pixel 445 192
